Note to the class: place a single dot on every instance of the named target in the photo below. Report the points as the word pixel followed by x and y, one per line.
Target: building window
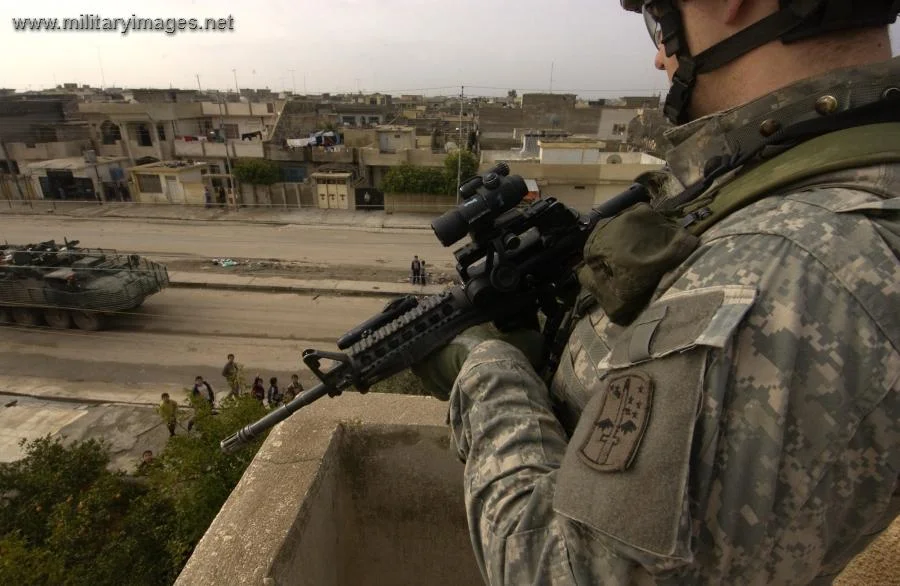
pixel 110 133
pixel 270 108
pixel 143 136
pixel 214 169
pixel 580 187
pixel 348 120
pixel 149 183
pixel 161 131
pixel 619 129
pixel 231 131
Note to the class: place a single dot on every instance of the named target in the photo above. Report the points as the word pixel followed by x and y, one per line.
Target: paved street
pixel 184 332
pixel 317 245
pixel 105 383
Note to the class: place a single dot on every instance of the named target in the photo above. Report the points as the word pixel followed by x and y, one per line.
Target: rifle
pixel 519 261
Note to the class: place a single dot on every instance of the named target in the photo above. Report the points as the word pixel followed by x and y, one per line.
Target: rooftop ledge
pixel 360 489
pixel 364 490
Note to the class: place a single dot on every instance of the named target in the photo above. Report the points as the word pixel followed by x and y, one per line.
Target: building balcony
pixel 112 150
pixel 322 155
pixel 216 150
pixel 372 157
pixel 243 149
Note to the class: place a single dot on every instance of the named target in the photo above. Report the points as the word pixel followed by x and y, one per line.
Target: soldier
pixel 735 383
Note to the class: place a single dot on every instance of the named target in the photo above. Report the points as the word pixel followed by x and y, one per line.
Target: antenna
pixel 102 77
pixel 552 63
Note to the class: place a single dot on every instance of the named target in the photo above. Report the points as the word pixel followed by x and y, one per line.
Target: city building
pixel 169 182
pixel 84 178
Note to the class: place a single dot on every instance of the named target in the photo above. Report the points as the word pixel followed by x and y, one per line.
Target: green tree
pixel 196 476
pixel 257 171
pixel 412 179
pixel 66 519
pixel 467 167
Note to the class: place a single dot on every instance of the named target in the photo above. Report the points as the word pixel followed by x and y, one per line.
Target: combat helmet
pixel 795 20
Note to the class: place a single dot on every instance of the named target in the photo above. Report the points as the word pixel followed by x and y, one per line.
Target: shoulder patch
pixel 619 427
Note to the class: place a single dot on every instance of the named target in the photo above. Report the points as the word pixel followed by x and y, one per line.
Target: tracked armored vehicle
pixel 64 285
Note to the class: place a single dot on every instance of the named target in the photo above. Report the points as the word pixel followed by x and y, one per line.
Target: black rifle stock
pixel 519 261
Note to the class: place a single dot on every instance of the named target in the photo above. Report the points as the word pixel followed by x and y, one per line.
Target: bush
pixel 66 519
pixel 257 171
pixel 411 179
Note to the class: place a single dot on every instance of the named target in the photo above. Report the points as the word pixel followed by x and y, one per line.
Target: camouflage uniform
pixel 744 429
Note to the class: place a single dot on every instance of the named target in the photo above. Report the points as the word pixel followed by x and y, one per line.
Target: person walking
pixel 168 410
pixel 231 373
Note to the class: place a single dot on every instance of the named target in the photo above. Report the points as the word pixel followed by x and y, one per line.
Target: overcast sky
pixel 593 47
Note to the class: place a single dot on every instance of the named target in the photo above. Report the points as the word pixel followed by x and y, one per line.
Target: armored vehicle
pixel 65 285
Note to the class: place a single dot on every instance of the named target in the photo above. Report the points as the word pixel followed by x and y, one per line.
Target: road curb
pixel 72 400
pixel 296 289
pixel 424 227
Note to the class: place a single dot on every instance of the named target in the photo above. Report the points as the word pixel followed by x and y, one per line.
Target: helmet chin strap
pixel 795 20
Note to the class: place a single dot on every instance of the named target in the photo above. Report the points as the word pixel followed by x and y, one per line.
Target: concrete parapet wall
pixel 359 490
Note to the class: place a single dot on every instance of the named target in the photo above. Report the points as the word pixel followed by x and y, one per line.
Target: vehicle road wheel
pixel 89 321
pixel 58 318
pixel 26 317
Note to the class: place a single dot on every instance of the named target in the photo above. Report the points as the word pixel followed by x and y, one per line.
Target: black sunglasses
pixel 653 25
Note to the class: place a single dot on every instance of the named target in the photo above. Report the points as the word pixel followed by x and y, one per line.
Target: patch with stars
pixel 613 442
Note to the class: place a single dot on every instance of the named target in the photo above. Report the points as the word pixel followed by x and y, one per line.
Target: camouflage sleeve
pixel 505 431
pixel 791 459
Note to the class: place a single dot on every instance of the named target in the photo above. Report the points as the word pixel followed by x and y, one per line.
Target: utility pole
pixel 293 83
pixel 462 93
pixel 236 88
pixel 552 63
pixel 197 75
pixel 227 155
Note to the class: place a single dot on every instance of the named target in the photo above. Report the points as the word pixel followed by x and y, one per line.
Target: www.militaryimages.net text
pixel 124 26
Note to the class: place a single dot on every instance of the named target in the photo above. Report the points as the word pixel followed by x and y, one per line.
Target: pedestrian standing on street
pixel 203 389
pixel 258 390
pixel 294 389
pixel 274 396
pixel 231 373
pixel 415 269
pixel 423 274
pixel 222 198
pixel 168 410
pixel 207 196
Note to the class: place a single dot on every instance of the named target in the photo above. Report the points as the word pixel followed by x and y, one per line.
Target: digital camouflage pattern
pixel 794 451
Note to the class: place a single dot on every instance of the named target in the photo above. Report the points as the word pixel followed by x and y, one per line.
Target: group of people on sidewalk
pixel 417 273
pixel 271 397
